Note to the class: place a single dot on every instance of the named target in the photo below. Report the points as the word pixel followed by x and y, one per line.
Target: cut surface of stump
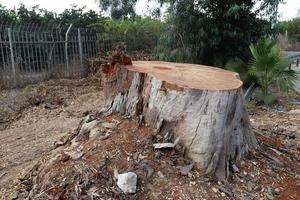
pixel 203 106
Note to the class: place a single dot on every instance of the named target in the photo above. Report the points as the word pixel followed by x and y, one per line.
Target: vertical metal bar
pixel 90 46
pixel 56 53
pixel 9 76
pixel 12 57
pixel 39 49
pixel 87 46
pixel 44 53
pixel 22 53
pixel 28 53
pixel 32 51
pixel 2 44
pixel 73 52
pixel 83 42
pixel 80 49
pixel 34 45
pixel 52 53
pixel 7 59
pixel 66 49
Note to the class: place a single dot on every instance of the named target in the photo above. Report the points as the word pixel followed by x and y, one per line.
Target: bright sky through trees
pixel 288 10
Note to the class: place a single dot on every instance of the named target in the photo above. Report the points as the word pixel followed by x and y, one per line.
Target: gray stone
pixel 249 186
pixel 149 170
pixel 109 125
pixel 235 169
pixel 127 182
pixel 184 170
pixel 75 155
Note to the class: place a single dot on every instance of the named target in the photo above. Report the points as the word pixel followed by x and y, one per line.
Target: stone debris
pixel 75 155
pixel 184 170
pixel 88 126
pixel 225 190
pixel 149 170
pixel 215 190
pixel 294 112
pixel 110 125
pixel 98 133
pixel 160 174
pixel 127 182
pixel 250 186
pixel 2 174
pixel 166 145
pixel 85 130
pixel 235 169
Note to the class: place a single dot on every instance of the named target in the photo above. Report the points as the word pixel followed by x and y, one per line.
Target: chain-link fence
pixel 30 53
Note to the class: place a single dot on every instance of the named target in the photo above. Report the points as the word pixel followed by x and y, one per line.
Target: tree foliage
pixel 38 16
pixel 292 27
pixel 118 9
pixel 266 68
pixel 211 31
pixel 140 34
pixel 270 67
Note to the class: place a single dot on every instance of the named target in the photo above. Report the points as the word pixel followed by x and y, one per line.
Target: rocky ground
pixel 54 145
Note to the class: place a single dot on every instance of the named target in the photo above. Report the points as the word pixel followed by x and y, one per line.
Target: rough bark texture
pixel 207 113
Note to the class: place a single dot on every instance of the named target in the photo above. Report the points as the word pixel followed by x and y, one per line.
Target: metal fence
pixel 34 53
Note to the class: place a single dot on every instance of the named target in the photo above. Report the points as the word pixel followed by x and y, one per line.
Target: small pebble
pixel 215 190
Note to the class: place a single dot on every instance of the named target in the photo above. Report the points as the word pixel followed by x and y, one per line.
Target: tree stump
pixel 202 105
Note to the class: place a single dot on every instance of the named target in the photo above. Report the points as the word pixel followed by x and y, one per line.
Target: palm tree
pixel 270 67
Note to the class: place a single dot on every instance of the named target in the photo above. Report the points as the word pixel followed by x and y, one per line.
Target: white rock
pixel 215 190
pixel 163 145
pixel 87 127
pixel 294 112
pixel 166 145
pixel 127 182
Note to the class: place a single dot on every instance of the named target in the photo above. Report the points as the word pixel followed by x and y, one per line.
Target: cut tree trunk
pixel 202 105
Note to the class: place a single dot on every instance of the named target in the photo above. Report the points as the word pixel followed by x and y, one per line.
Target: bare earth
pixel 32 119
pixel 60 105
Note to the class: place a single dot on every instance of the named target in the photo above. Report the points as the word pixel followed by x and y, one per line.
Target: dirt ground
pixel 43 156
pixel 33 118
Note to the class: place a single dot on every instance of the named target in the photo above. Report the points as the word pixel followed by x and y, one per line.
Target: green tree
pixel 35 15
pixel 6 15
pixel 38 16
pixel 118 9
pixel 292 27
pixel 269 67
pixel 138 34
pixel 78 17
pixel 211 31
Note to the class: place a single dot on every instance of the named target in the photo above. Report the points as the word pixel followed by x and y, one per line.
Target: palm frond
pixel 270 67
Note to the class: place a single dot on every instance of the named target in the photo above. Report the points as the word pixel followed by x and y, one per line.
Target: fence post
pixel 12 56
pixel 80 49
pixel 66 49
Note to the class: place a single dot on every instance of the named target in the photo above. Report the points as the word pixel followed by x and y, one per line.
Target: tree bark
pixel 204 106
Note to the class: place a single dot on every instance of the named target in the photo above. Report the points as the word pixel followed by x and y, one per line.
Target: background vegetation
pixel 212 32
pixel 291 27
